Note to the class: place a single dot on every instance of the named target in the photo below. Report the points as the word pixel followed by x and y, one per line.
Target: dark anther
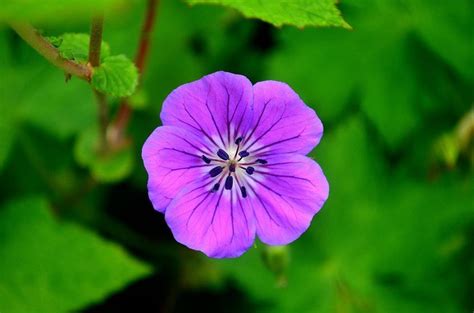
pixel 232 167
pixel 261 161
pixel 244 191
pixel 228 182
pixel 206 159
pixel 244 154
pixel 215 171
pixel 215 188
pixel 238 140
pixel 222 154
pixel 250 170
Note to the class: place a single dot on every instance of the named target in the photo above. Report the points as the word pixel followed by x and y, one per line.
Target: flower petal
pixel 173 159
pixel 282 123
pixel 217 106
pixel 286 193
pixel 218 223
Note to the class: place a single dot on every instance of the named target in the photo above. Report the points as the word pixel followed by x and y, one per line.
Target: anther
pixel 222 154
pixel 238 140
pixel 215 171
pixel 228 182
pixel 206 159
pixel 261 161
pixel 244 191
pixel 250 170
pixel 244 154
pixel 215 188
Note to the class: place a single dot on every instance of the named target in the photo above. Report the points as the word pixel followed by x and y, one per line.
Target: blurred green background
pixel 395 95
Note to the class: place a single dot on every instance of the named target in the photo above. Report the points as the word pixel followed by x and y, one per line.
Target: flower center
pixel 231 167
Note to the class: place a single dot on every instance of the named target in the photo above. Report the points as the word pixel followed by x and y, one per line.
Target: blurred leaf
pixel 299 13
pixel 76 47
pixel 54 10
pixel 105 167
pixel 7 119
pixel 445 27
pixel 376 68
pixel 7 136
pixel 116 76
pixel 139 100
pixel 61 109
pixel 368 249
pixel 47 266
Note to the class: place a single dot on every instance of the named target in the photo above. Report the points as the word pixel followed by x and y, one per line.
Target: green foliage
pixel 6 141
pixel 48 266
pixel 53 10
pixel 76 47
pixel 116 76
pixel 299 13
pixel 381 265
pixel 378 67
pixel 395 97
pixel 105 167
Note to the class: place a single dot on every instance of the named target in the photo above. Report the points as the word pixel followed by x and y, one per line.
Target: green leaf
pixel 299 13
pixel 374 69
pixel 75 47
pixel 59 108
pixel 445 28
pixel 105 167
pixel 7 136
pixel 48 266
pixel 116 76
pixel 54 10
pixel 394 258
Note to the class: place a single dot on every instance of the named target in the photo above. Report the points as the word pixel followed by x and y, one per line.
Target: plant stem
pixel 147 28
pixel 95 44
pixel 125 111
pixel 95 41
pixel 31 36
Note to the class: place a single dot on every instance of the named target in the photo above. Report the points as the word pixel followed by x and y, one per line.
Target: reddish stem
pixel 125 111
pixel 95 43
pixel 51 53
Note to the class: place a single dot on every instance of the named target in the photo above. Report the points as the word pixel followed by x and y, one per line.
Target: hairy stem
pixel 125 111
pixel 31 36
pixel 95 43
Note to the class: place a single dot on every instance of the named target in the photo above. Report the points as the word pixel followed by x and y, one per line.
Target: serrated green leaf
pixel 109 167
pixel 116 76
pixel 299 13
pixel 75 47
pixel 48 266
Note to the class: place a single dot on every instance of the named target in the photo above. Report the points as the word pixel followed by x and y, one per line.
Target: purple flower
pixel 229 163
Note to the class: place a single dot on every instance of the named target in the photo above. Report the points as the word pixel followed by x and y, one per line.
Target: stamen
pixel 232 167
pixel 244 154
pixel 228 182
pixel 215 171
pixel 250 170
pixel 222 154
pixel 261 161
pixel 206 159
pixel 244 191
pixel 238 140
pixel 216 187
